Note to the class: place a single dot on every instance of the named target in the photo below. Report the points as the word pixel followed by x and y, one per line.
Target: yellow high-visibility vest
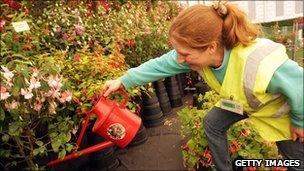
pixel 248 74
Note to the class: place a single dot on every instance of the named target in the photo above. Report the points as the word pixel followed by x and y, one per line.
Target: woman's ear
pixel 212 47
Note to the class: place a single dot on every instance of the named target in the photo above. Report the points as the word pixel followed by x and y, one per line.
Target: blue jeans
pixel 217 122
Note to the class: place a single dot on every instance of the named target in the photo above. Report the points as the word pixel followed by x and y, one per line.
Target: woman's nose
pixel 181 59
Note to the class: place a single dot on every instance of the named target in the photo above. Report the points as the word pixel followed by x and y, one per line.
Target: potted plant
pixel 244 141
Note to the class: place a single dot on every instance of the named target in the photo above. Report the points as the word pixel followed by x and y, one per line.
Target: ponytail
pixel 237 29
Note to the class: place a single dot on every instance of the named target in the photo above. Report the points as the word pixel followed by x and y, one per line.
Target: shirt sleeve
pixel 288 80
pixel 154 69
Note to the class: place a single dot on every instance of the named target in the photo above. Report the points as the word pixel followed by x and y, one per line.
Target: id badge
pixel 232 106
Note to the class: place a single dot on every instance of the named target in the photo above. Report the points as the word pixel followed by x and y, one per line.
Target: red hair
pixel 199 25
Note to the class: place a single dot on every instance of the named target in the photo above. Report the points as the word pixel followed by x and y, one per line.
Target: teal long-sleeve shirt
pixel 287 79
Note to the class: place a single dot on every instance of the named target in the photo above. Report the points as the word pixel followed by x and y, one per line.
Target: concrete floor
pixel 162 150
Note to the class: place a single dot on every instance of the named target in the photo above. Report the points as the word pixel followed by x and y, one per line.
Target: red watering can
pixel 114 122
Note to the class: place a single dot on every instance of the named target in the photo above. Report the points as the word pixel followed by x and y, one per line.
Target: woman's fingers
pixel 111 86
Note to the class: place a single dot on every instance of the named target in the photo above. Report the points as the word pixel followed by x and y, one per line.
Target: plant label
pixel 20 26
pixel 232 106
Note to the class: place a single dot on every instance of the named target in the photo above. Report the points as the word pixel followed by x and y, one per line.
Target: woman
pixel 253 76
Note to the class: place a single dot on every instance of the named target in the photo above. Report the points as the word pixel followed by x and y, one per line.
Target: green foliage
pixel 33 96
pixel 152 40
pixel 77 48
pixel 244 140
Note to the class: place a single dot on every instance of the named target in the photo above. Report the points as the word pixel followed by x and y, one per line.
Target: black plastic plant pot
pixel 149 98
pixel 166 108
pixel 176 103
pixel 140 137
pixel 103 160
pixel 152 117
pixel 151 112
pixel 154 123
pixel 151 109
pixel 159 86
pixel 180 84
pixel 163 98
pixel 201 88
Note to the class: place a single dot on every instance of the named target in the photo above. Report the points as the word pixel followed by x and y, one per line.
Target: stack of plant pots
pixel 173 92
pixel 140 137
pixel 102 160
pixel 163 98
pixel 151 112
pixel 181 79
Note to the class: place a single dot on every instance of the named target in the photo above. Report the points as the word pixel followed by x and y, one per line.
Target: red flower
pixel 16 38
pixel 131 42
pixel 76 57
pixel 245 132
pixel 27 47
pixel 208 158
pixel 234 146
pixel 12 4
pixel 185 147
pixel 105 5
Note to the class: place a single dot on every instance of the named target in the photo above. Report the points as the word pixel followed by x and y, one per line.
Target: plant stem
pixel 29 162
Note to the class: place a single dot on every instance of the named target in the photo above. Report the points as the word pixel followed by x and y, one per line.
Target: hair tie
pixel 220 8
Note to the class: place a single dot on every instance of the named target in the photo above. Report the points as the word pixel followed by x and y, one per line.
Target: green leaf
pixel 5 138
pixel 39 143
pixel 62 154
pixel 68 147
pixel 14 129
pixel 36 151
pixel 55 145
pixel 42 149
pixel 53 134
pixel 2 114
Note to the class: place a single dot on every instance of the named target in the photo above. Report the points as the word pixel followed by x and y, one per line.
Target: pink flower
pixel 54 82
pixel 27 94
pixel 37 106
pixel 7 73
pixel 2 23
pixel 65 36
pixel 34 83
pixel 65 97
pixel 35 72
pixel 54 93
pixel 4 94
pixel 13 105
pixel 78 29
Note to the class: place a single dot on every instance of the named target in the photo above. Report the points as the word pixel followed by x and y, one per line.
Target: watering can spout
pixel 86 151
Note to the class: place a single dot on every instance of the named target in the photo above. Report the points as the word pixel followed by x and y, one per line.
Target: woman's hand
pixel 297 133
pixel 111 86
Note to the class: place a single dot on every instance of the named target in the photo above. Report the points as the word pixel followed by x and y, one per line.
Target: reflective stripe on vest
pixel 251 69
pixel 283 110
